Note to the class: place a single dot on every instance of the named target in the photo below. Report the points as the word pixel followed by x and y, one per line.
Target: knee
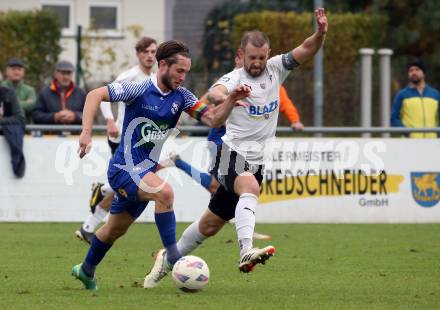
pixel 254 188
pixel 246 184
pixel 166 196
pixel 251 188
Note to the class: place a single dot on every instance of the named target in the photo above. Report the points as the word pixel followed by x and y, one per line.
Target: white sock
pixel 191 239
pixel 245 220
pixel 106 189
pixel 94 219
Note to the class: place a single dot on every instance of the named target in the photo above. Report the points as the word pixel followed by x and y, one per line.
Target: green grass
pixel 316 267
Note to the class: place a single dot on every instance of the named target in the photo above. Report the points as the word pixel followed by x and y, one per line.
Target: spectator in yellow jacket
pixel 417 105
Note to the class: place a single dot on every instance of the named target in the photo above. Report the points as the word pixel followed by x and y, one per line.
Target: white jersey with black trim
pixel 249 128
pixel 134 74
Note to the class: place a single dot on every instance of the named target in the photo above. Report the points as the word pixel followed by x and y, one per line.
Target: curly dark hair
pixel 169 50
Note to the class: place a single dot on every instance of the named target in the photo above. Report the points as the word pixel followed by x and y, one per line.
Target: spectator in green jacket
pixel 15 72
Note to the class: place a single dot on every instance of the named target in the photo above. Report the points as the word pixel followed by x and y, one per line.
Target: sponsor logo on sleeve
pixel 117 87
pixel 225 79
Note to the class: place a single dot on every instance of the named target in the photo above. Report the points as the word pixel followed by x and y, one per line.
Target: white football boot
pixel 160 269
pixel 255 256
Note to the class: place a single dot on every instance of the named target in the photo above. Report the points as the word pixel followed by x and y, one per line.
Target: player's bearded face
pixel 166 80
pixel 175 74
pixel 255 59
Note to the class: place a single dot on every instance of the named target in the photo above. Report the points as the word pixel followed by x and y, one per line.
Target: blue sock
pixel 96 253
pixel 203 178
pixel 166 224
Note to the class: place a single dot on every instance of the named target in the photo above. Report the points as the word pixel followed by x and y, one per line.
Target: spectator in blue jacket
pixel 417 105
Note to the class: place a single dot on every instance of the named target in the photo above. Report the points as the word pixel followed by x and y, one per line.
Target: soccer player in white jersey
pixel 102 193
pixel 239 161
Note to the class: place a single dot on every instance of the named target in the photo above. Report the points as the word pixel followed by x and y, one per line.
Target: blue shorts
pixel 126 189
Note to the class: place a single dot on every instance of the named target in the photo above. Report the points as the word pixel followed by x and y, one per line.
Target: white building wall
pixel 148 14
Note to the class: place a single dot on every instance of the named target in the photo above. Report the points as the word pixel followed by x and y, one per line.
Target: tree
pixel 33 36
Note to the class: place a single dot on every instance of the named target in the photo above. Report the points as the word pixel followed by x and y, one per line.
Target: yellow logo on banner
pixel 350 182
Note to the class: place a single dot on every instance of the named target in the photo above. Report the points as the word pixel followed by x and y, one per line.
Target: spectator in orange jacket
pixel 289 110
pixel 61 102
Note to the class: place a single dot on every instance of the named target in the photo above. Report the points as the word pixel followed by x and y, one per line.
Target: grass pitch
pixel 316 267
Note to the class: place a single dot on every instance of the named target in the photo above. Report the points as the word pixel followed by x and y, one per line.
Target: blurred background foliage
pixel 33 36
pixel 410 28
pixel 287 30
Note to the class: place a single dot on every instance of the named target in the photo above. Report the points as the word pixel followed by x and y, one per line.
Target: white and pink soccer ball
pixel 190 273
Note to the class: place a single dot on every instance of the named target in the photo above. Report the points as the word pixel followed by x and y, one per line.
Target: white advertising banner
pixel 352 181
pixel 307 180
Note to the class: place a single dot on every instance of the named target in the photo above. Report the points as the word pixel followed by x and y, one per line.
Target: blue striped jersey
pixel 149 114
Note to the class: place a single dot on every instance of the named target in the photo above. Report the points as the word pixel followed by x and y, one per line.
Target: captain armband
pixel 289 62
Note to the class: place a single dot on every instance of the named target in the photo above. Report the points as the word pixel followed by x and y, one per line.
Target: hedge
pixel 33 36
pixel 347 34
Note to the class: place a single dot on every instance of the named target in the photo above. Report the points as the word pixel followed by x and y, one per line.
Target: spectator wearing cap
pixel 61 102
pixel 15 72
pixel 417 105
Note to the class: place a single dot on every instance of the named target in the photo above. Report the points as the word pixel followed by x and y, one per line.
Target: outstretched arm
pixel 116 91
pixel 312 44
pixel 213 98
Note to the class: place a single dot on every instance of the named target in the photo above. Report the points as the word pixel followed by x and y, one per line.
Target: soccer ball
pixel 190 273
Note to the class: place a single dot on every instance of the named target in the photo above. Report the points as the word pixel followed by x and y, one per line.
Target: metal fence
pixel 202 129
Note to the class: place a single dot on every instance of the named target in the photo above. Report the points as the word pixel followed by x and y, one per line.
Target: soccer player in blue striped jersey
pixel 102 193
pixel 153 108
